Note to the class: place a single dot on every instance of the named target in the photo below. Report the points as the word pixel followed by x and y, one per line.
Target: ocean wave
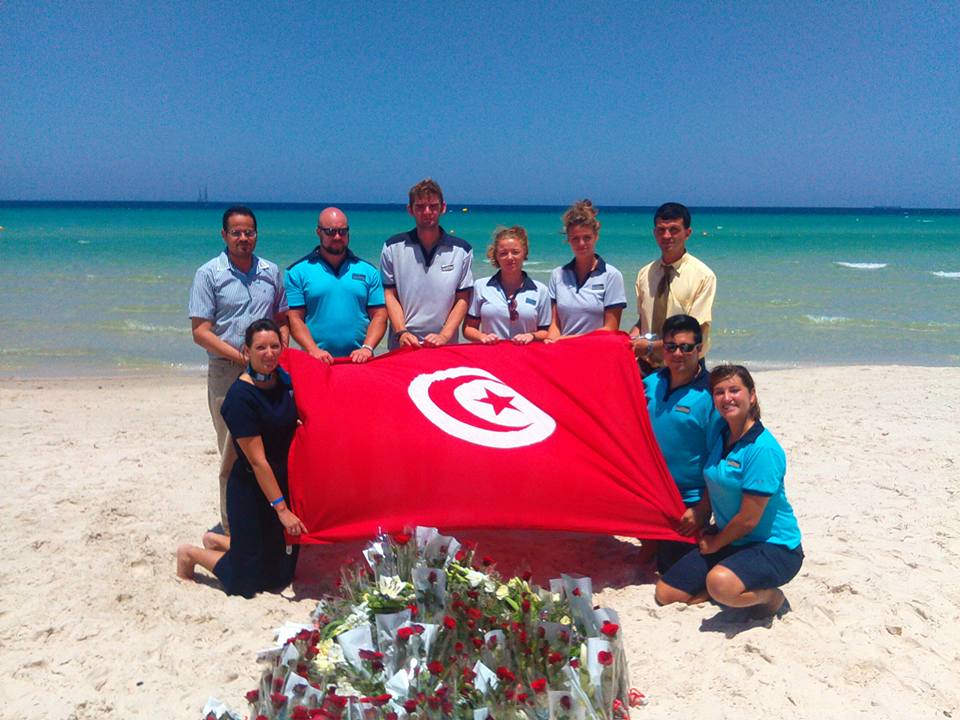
pixel 827 319
pixel 861 265
pixel 940 273
pixel 134 326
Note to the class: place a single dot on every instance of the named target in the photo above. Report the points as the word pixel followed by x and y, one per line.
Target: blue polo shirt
pixel 491 306
pixel 335 302
pixel 755 465
pixel 426 282
pixel 580 307
pixel 686 425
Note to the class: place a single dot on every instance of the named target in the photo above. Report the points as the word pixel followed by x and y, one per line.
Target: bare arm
pixel 746 519
pixel 301 333
pixel 395 313
pixel 375 332
pixel 454 319
pixel 611 318
pixel 252 448
pixel 282 322
pixel 471 332
pixel 695 517
pixel 204 336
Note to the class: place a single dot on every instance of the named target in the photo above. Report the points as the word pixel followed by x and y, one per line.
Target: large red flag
pixel 540 436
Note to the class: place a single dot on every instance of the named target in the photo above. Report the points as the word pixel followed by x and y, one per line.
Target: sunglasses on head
pixel 685 348
pixel 330 232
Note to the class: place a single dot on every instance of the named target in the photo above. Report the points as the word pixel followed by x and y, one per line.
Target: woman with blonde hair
pixel 587 293
pixel 509 305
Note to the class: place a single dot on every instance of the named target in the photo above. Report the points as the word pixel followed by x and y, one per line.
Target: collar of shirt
pixel 444 239
pixel 348 258
pixel 224 263
pixel 600 269
pixel 677 266
pixel 748 437
pixel 496 282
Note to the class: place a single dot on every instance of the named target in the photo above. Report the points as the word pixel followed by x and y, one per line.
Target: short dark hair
pixel 682 323
pixel 266 324
pixel 427 186
pixel 673 211
pixel 238 210
pixel 722 372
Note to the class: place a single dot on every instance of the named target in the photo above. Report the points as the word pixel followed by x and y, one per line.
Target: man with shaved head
pixel 336 299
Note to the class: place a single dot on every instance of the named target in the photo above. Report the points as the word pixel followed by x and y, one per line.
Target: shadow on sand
pixel 609 561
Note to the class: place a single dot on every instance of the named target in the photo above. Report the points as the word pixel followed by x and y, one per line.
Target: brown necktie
pixel 660 301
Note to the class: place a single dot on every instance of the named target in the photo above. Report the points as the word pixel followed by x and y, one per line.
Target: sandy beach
pixel 102 479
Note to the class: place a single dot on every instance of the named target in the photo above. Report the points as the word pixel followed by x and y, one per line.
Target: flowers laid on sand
pixel 426 630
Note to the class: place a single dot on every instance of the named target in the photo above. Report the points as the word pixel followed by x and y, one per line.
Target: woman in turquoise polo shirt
pixel 756 547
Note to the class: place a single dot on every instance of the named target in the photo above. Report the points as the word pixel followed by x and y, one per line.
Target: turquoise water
pixel 94 288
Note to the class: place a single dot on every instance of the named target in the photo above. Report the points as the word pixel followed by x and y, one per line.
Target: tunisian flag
pixel 551 437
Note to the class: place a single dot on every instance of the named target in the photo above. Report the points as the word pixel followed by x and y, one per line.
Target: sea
pixel 100 288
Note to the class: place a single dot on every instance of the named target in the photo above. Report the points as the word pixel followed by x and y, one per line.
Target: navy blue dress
pixel 257 559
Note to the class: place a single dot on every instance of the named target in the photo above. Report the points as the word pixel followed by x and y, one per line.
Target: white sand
pixel 102 480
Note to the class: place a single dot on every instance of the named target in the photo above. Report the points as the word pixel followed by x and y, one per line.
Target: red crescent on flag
pixel 441 392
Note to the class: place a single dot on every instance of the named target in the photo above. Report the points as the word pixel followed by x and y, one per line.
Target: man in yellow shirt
pixel 676 283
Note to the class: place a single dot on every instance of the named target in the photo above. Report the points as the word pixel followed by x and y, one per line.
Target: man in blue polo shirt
pixel 686 425
pixel 228 293
pixel 336 299
pixel 427 277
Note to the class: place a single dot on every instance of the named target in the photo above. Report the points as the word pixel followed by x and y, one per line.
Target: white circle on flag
pixel 480 408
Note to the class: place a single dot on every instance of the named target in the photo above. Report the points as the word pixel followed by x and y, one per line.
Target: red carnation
pixel 404 633
pixel 461 554
pixel 401 538
pixel 527 575
pixel 554 658
pixel 468 674
pixel 252 696
pixel 610 629
pixel 449 622
pixel 477 642
pixel 605 658
pixel 576 592
pixel 539 685
pixel 435 668
pixel 487 561
pixel 432 577
pixel 505 674
pixel 458 647
pixel 410 705
pixel 278 699
pixel 565 702
pixel 522 697
pixel 525 605
pixel 564 636
pixel 300 713
pixel 413 610
pixel 574 664
pixel 475 613
pixel 377 700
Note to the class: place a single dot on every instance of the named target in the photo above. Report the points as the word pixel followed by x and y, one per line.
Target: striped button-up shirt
pixel 231 299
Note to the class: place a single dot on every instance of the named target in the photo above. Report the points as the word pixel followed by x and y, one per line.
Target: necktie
pixel 663 294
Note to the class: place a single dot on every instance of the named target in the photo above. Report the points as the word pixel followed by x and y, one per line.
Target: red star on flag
pixel 497 402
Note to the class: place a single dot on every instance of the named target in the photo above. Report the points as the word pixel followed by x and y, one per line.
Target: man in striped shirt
pixel 228 293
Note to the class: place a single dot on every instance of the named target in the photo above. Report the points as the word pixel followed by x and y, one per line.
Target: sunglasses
pixel 330 232
pixel 685 348
pixel 512 307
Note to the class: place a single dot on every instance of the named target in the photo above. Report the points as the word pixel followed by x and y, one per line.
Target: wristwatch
pixel 650 338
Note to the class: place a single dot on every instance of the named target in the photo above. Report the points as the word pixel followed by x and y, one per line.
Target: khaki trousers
pixel 221 374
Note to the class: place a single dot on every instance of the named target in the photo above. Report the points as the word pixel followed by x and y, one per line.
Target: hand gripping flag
pixel 552 437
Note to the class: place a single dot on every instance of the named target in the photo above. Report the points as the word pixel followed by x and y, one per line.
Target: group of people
pixel 336 305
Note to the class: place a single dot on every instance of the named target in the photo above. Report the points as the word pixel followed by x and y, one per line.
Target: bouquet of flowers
pixel 425 630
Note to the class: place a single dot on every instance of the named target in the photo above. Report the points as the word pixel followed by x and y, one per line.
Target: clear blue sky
pixel 737 103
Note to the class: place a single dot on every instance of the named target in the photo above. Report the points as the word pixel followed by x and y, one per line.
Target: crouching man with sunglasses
pixel 686 425
pixel 336 299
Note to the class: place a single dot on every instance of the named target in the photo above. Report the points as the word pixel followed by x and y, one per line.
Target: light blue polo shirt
pixel 580 307
pixel 755 465
pixel 426 283
pixel 491 306
pixel 232 299
pixel 335 302
pixel 686 425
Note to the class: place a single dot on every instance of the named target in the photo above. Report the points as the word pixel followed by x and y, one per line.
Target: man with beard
pixel 336 299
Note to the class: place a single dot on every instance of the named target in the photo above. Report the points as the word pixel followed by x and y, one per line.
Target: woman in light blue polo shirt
pixel 509 305
pixel 756 548
pixel 587 293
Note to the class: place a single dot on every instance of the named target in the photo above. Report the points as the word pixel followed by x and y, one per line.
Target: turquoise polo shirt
pixel 335 302
pixel 686 425
pixel 755 465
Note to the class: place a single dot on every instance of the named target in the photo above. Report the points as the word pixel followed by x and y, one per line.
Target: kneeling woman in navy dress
pixel 757 546
pixel 262 418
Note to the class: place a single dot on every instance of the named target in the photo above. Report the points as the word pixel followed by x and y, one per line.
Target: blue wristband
pixel 277 501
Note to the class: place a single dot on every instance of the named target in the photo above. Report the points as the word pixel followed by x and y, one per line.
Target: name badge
pixel 597 286
pixel 733 464
pixel 358 276
pixel 683 409
pixel 446 268
pixel 531 301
